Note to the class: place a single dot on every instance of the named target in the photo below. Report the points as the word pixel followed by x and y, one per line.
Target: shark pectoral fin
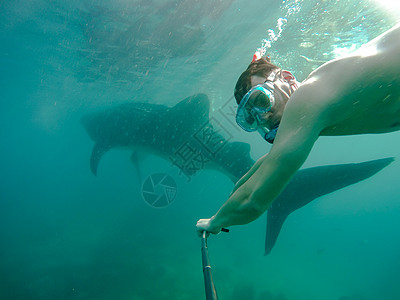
pixel 97 153
pixel 135 161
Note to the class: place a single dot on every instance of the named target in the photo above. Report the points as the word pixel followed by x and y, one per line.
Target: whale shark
pixel 178 131
pixel 182 134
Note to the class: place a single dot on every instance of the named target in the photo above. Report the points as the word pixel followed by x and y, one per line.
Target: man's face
pixel 281 90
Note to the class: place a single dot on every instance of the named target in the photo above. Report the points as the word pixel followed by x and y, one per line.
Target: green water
pixel 66 234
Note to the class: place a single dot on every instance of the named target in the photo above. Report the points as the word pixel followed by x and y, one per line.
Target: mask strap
pixel 272 76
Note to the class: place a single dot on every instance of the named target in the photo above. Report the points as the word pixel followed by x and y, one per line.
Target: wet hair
pixel 261 67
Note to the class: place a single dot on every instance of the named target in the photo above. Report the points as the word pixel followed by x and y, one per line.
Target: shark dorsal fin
pixel 198 105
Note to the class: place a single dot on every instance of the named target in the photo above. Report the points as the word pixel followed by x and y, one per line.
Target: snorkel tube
pixel 268 135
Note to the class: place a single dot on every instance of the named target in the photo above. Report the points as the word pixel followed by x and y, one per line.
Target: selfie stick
pixel 211 292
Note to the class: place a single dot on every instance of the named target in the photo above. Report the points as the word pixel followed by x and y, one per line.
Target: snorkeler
pixel 355 94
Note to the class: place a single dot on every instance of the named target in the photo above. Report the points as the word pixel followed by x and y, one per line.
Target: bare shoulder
pixel 335 84
pixel 337 91
pixel 385 43
pixel 378 56
pixel 311 100
pixel 300 127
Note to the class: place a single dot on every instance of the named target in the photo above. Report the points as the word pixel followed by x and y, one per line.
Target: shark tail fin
pixel 274 225
pixel 97 153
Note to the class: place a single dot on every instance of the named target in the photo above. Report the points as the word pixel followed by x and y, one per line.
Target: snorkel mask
pixel 261 99
pixel 257 101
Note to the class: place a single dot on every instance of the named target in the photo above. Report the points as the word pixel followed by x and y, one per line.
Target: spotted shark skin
pixel 163 130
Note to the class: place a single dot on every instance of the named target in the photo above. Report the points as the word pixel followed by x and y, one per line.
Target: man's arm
pixel 297 133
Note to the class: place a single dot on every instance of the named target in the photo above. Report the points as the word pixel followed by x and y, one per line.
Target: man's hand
pixel 206 225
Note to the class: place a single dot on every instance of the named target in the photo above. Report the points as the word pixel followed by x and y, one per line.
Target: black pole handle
pixel 211 292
